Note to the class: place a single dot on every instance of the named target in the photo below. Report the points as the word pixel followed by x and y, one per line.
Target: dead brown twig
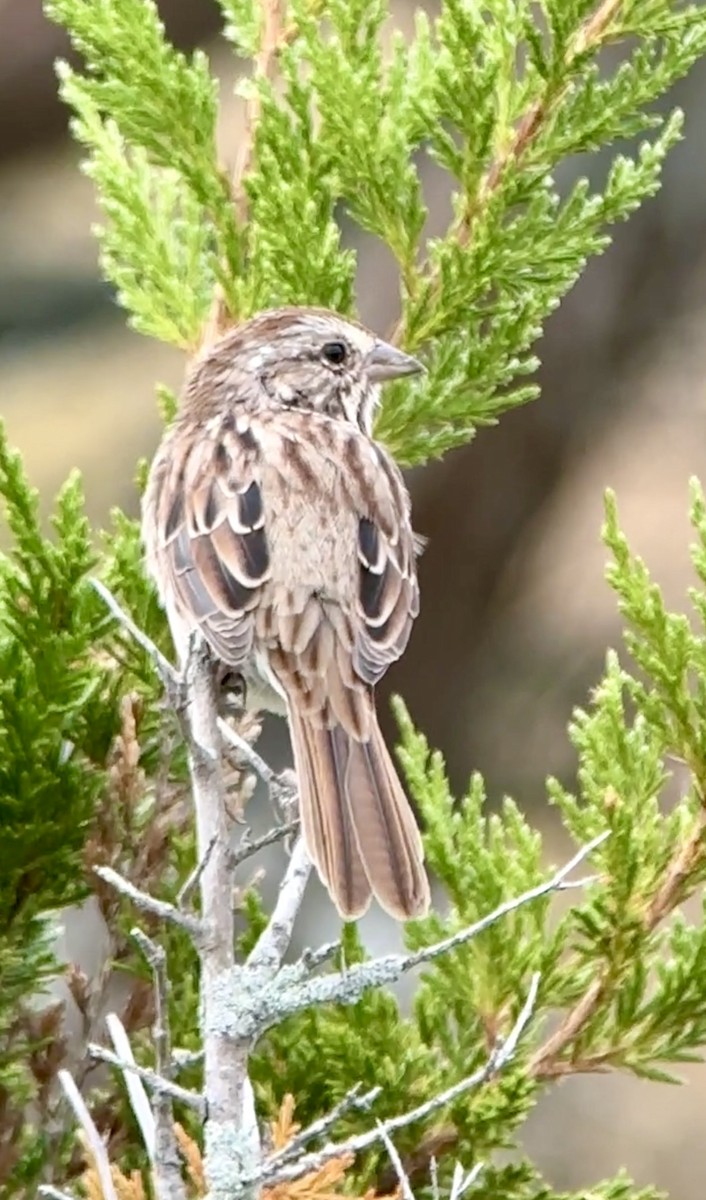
pixel 275 35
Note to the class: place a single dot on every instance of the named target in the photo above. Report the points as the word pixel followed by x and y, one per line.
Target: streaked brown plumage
pixel 275 524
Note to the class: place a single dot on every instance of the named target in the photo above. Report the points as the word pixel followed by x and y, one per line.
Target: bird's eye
pixel 334 352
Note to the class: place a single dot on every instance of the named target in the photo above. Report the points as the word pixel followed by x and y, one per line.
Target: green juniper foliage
pixel 341 116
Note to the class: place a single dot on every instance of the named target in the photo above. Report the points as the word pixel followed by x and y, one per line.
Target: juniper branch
pixel 497 1059
pixel 548 1062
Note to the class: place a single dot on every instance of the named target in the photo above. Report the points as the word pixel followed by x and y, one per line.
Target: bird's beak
pixel 387 362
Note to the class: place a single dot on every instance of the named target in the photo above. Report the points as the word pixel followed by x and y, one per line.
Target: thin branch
pixel 94 1140
pixel 164 668
pixel 156 1083
pixel 231 1136
pixel 351 1102
pixel 186 1058
pixel 683 863
pixel 557 883
pixel 393 1153
pixel 190 885
pixel 434 1178
pixel 55 1193
pixel 273 943
pixel 246 847
pixel 311 960
pixel 498 1059
pixel 169 1184
pixel 158 908
pixel 247 752
pixel 462 1181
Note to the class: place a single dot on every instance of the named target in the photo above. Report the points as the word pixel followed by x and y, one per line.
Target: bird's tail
pixel 358 826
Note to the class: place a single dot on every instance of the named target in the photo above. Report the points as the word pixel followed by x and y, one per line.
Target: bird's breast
pixel 310 522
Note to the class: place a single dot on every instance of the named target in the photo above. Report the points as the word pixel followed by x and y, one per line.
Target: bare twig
pixel 558 883
pixel 246 847
pixel 169 1184
pixel 164 668
pixel 311 960
pixel 462 1181
pixel 190 885
pixel 158 908
pixel 273 943
pixel 434 1178
pixel 351 1102
pixel 294 990
pixel 55 1193
pixel 498 1059
pixel 94 1140
pixel 186 1058
pixel 402 1176
pixel 155 1082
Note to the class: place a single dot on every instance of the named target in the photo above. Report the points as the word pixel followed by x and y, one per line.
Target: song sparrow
pixel 275 524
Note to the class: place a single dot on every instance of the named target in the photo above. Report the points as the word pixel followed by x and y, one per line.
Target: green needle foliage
pixel 341 118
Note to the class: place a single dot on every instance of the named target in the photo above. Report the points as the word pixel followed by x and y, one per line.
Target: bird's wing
pixel 205 533
pixel 388 594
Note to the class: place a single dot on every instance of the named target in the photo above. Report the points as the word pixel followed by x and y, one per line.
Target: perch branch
pixel 231 1138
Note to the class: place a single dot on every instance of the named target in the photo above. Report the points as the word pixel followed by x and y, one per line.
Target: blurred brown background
pixel 515 615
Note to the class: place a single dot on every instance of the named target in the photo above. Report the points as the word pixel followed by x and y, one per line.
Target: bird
pixel 276 525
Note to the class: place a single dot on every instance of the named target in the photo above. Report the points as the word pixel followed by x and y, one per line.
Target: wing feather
pixel 206 534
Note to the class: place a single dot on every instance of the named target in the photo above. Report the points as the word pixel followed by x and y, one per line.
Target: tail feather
pixel 326 825
pixel 357 823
